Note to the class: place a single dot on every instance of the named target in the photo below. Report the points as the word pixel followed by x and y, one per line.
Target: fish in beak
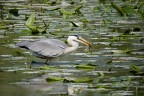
pixel 83 41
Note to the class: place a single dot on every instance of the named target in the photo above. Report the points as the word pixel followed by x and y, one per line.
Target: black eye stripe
pixel 75 36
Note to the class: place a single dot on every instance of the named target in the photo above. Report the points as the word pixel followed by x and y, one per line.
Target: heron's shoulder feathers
pixel 48 47
pixel 53 42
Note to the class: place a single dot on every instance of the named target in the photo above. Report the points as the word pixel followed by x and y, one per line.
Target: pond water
pixel 113 67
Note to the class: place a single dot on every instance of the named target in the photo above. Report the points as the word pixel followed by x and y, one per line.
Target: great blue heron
pixel 52 48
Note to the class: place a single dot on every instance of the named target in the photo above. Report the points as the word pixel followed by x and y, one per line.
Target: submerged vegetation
pixel 114 67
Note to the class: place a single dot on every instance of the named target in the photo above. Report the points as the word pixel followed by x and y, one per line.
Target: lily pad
pixel 84 66
pixel 52 79
pixel 3 27
pixel 67 80
pixel 78 80
pixel 83 80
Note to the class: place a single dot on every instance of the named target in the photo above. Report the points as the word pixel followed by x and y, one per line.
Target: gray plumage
pixel 44 48
pixel 52 48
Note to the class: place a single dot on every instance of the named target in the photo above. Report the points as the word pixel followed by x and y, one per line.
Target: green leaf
pixel 105 10
pixel 128 9
pixel 52 79
pixel 30 20
pixel 83 80
pixel 3 27
pixel 84 66
pixel 64 12
pixel 78 80
pixel 25 31
pixel 77 10
pixel 109 62
pixel 46 26
pixel 119 9
pixel 135 68
pixel 67 80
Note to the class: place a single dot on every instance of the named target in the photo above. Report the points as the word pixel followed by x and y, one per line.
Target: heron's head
pixel 79 39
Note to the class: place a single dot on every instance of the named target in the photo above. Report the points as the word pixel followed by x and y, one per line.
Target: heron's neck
pixel 73 47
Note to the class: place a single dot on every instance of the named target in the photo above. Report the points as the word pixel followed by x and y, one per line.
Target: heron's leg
pixel 46 62
pixel 30 66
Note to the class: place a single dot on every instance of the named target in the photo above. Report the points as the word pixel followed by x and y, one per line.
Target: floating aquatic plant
pixel 140 10
pixel 84 66
pixel 35 29
pixel 75 11
pixel 136 70
pixel 83 80
pixel 48 68
pixel 52 79
pixel 67 80
pixel 2 26
pixel 30 21
pixel 128 9
pixel 118 8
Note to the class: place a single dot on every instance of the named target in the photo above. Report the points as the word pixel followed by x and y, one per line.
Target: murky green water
pixel 114 67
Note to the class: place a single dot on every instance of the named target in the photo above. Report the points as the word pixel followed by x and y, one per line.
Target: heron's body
pixel 51 48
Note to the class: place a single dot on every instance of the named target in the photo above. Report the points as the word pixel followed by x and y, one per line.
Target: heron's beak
pixel 85 42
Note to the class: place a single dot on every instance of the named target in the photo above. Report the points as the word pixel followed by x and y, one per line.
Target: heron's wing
pixel 48 47
pixel 24 44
